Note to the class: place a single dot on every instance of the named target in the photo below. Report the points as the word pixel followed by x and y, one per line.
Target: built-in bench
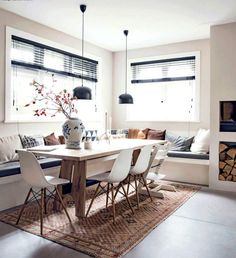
pixel 187 167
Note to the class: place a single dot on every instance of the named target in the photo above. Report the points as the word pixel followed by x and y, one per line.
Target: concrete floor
pixel 204 227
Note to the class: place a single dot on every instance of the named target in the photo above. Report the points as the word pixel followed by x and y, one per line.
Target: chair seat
pixel 103 177
pixel 56 181
pixel 154 177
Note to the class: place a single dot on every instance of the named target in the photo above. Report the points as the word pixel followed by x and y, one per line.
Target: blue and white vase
pixel 73 130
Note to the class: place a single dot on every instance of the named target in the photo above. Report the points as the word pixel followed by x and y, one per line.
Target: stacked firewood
pixel 227 162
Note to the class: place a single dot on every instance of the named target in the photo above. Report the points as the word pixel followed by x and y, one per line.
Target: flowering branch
pixel 61 102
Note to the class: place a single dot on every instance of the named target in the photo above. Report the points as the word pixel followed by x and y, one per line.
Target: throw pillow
pixel 133 133
pixel 179 143
pixel 201 141
pixel 51 140
pixel 61 139
pixel 137 133
pixel 8 147
pixel 156 134
pixel 90 135
pixel 31 141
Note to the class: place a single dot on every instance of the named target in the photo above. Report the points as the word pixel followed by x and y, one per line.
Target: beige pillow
pixel 8 147
pixel 201 141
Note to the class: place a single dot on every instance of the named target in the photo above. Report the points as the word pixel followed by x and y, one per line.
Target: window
pixel 32 60
pixel 165 89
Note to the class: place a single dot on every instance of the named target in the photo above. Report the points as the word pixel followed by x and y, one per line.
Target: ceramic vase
pixel 73 130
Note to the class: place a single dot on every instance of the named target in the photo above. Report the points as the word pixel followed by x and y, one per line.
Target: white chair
pixel 155 177
pixel 34 176
pixel 118 173
pixel 138 171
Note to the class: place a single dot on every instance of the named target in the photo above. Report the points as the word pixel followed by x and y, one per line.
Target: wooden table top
pixel 101 149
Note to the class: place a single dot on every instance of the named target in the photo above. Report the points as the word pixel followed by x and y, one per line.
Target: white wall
pixel 119 111
pixel 20 23
pixel 223 87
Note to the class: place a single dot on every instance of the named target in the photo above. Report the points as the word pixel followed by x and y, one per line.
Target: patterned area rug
pixel 97 235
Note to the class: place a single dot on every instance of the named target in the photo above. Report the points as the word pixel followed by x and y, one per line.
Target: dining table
pixel 74 162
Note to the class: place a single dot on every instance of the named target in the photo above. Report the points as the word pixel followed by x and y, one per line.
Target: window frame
pixel 169 56
pixel 8 86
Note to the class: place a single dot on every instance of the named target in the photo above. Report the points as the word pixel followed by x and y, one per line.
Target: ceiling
pixel 150 22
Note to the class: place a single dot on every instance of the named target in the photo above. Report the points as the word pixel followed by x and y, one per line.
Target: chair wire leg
pixel 113 203
pixel 117 190
pixel 41 211
pixel 127 198
pixel 108 186
pixel 90 205
pixel 129 179
pixel 45 200
pixel 136 190
pixel 62 203
pixel 145 184
pixel 23 207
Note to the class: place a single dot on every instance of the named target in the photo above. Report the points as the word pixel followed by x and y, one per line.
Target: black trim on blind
pixel 164 70
pixel 71 64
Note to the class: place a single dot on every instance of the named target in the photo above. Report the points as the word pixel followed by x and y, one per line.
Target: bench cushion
pixel 13 168
pixel 187 155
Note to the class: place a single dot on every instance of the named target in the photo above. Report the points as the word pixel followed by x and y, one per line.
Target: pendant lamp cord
pixel 82 50
pixel 126 60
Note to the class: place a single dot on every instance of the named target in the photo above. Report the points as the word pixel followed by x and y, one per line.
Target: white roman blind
pixel 164 70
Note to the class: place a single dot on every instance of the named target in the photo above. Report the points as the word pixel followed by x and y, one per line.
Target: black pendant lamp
pixel 126 98
pixel 82 92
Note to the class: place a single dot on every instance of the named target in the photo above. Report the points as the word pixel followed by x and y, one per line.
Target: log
pixel 229 178
pixel 222 147
pixel 232 153
pixel 233 172
pixel 222 164
pixel 221 178
pixel 230 162
pixel 227 169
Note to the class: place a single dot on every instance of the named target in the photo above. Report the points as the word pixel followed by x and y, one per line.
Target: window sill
pixel 162 121
pixel 45 121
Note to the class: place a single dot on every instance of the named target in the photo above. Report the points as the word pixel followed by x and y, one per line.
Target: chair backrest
pixel 31 171
pixel 121 166
pixel 142 162
pixel 162 151
pixel 159 158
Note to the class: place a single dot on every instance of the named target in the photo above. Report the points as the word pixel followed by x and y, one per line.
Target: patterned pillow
pixel 90 135
pixel 31 141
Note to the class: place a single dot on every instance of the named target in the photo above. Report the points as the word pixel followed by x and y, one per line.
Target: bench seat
pixel 187 155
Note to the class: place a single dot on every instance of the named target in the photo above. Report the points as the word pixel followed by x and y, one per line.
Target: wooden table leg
pixel 66 169
pixel 79 187
pixel 66 173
